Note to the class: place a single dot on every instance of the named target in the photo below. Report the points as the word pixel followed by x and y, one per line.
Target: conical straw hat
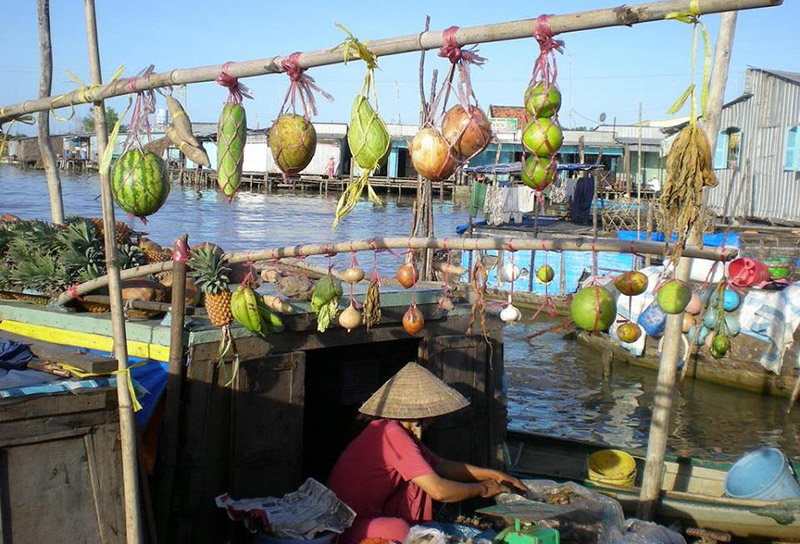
pixel 413 393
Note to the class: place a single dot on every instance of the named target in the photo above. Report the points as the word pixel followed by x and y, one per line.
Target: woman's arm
pixel 446 490
pixel 464 472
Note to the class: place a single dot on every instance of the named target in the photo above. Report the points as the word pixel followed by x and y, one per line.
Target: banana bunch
pixel 250 310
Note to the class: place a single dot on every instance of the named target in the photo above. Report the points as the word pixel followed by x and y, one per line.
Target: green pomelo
pixel 631 283
pixel 231 138
pixel 139 182
pixel 673 297
pixel 542 100
pixel 542 137
pixel 538 173
pixel 367 135
pixel 545 273
pixel 629 332
pixel 293 142
pixel 593 309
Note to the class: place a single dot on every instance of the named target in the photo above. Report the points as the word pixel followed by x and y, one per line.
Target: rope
pixel 301 86
pixel 692 16
pixel 236 91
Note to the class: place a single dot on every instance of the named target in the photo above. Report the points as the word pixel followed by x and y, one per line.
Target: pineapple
pixel 153 252
pixel 212 277
pixel 123 234
pixel 39 272
pixel 130 256
pixel 82 253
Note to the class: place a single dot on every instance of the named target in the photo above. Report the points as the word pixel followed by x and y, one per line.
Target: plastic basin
pixel 764 474
pixel 745 272
pixel 612 467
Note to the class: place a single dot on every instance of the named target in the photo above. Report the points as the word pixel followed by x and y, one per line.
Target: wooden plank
pixel 53 405
pixel 54 353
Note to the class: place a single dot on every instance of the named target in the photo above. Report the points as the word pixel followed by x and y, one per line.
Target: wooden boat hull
pixel 692 489
pixel 742 372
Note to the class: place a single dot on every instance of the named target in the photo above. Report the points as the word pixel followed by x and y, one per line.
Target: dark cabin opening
pixel 337 381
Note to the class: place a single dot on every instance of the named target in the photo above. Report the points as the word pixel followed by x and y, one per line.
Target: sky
pixel 607 71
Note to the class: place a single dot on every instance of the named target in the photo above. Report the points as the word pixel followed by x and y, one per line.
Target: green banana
pixel 250 310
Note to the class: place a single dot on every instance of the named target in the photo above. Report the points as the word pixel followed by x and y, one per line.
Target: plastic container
pixel 612 467
pixel 764 474
pixel 653 320
pixel 264 538
pixel 745 272
pixel 778 268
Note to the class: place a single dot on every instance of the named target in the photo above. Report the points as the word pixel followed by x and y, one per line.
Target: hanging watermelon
pixel 139 182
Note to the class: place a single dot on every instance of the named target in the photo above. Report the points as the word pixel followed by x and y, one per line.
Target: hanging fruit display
pixel 372 305
pixel 545 273
pixel 140 183
pixel 542 137
pixel 542 100
pixel 430 155
pixel 231 134
pixel 466 130
pixel 629 332
pixel 537 173
pixel 250 310
pixel 293 142
pixel 407 274
pixel 325 300
pixel 593 309
pixel 350 318
pixel 510 314
pixel 413 320
pixel 673 297
pixel 180 122
pixel 353 275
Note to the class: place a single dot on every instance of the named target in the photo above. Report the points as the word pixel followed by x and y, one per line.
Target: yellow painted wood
pixel 84 340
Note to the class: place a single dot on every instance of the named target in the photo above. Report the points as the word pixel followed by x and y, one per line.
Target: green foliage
pixel 210 273
pixel 325 300
pixel 87 123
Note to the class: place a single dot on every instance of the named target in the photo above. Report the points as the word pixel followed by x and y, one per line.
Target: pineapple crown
pixel 209 271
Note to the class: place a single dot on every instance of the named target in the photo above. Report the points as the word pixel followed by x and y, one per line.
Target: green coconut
pixel 231 138
pixel 673 297
pixel 367 135
pixel 593 309
pixel 542 100
pixel 542 137
pixel 293 142
pixel 139 182
pixel 538 173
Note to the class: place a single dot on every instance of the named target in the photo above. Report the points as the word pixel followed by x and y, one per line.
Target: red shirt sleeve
pixel 402 453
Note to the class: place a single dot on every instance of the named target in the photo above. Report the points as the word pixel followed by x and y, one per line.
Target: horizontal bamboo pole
pixel 579 243
pixel 511 30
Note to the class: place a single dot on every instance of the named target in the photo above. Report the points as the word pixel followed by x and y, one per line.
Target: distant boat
pixel 692 489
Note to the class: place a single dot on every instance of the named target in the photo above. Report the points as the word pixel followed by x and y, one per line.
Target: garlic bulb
pixel 510 272
pixel 510 314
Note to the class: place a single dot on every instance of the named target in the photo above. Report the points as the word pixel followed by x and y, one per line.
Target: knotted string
pixel 73 292
pixel 236 91
pixel 461 59
pixel 140 118
pixel 181 253
pixel 301 85
pixel 83 93
pixel 692 17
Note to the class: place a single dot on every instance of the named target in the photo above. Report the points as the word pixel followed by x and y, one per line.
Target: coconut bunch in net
pixel 367 135
pixel 292 137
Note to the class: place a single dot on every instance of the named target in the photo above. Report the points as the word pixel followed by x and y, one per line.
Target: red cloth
pixel 374 477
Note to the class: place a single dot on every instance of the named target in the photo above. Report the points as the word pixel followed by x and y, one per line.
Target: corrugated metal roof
pixel 792 77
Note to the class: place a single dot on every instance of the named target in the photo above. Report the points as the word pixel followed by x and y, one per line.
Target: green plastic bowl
pixel 778 268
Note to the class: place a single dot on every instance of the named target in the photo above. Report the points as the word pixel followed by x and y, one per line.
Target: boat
pixel 692 491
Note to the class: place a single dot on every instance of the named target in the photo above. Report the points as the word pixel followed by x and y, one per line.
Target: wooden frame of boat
pixel 692 491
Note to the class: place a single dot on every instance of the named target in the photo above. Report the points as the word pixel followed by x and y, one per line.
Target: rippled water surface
pixel 555 387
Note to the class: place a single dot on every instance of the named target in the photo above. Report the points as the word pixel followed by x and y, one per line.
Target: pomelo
pixel 673 297
pixel 631 283
pixel 542 137
pixel 629 332
pixel 542 100
pixel 593 309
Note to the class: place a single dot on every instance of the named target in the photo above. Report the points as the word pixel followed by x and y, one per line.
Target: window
pixel 721 151
pixel 791 159
pixel 729 148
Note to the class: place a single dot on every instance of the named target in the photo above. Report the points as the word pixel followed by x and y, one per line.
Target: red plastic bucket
pixel 745 272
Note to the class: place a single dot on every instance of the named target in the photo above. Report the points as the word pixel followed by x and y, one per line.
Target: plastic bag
pixel 593 520
pixel 425 535
pixel 644 532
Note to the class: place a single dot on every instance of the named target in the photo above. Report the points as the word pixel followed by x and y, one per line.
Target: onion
pixel 353 275
pixel 430 155
pixel 467 133
pixel 413 320
pixel 350 318
pixel 407 275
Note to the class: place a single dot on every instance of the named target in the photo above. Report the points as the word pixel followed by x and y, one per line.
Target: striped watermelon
pixel 231 137
pixel 139 182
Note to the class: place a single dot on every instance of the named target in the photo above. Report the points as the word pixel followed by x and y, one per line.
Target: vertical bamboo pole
pixel 133 525
pixel 169 446
pixel 719 78
pixel 640 176
pixel 45 86
pixel 668 366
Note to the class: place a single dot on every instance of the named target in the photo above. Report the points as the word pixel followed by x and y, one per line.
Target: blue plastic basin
pixel 764 474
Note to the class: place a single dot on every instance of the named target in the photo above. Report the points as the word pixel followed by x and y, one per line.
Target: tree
pixel 87 123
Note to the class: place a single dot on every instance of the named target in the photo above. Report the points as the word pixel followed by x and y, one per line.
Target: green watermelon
pixel 231 137
pixel 139 182
pixel 293 142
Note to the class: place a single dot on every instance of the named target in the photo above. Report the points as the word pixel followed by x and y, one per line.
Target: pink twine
pixel 460 58
pixel 236 91
pixel 73 292
pixel 140 118
pixel 301 85
pixel 545 67
pixel 181 253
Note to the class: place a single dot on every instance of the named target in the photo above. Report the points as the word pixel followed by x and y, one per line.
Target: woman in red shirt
pixel 389 478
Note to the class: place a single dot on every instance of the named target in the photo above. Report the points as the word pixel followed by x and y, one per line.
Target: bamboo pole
pixel 668 366
pixel 45 87
pixel 572 22
pixel 133 524
pixel 579 243
pixel 169 445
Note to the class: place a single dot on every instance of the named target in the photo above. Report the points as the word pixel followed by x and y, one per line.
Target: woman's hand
pixel 513 484
pixel 493 487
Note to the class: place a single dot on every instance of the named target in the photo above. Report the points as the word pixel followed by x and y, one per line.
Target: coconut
pixel 293 141
pixel 143 290
pixel 430 155
pixel 539 173
pixel 673 297
pixel 593 309
pixel 367 135
pixel 467 131
pixel 542 137
pixel 631 283
pixel 542 100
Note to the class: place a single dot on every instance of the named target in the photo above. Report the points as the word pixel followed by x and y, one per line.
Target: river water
pixel 555 386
